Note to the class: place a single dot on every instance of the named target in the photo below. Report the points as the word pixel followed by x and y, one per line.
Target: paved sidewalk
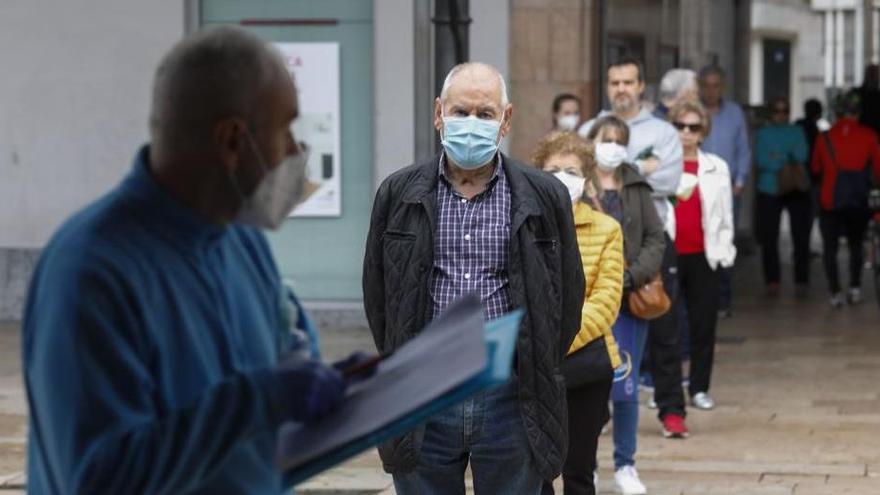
pixel 796 383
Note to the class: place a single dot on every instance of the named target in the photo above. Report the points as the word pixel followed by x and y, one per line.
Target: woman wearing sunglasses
pixel 781 148
pixel 704 241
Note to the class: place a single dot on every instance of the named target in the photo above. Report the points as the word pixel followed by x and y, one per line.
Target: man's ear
pixel 508 115
pixel 438 115
pixel 229 141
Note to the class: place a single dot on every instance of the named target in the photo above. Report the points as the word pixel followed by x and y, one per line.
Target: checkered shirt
pixel 471 245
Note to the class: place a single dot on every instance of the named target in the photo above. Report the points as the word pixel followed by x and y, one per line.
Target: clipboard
pixel 454 357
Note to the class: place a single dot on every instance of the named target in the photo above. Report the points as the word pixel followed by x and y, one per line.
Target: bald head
pixel 211 75
pixel 479 75
pixel 474 90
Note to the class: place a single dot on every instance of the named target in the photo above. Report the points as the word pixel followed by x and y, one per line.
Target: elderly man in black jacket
pixel 473 220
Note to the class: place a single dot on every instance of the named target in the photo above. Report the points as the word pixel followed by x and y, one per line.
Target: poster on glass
pixel 315 69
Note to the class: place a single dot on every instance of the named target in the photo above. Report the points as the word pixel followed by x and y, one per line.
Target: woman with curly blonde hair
pixel 593 356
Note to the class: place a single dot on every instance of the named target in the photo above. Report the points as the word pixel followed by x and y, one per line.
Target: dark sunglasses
pixel 694 128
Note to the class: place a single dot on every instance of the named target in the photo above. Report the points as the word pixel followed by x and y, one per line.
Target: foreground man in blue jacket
pixel 154 329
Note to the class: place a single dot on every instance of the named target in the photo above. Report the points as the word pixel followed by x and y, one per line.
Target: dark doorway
pixel 777 69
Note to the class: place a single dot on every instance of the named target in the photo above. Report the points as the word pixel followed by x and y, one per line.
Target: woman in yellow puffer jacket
pixel 570 159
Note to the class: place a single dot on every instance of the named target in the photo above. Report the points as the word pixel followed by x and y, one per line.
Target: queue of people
pixel 812 169
pixel 673 205
pixel 616 223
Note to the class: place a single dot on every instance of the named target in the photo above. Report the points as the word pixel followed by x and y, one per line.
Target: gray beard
pixel 622 107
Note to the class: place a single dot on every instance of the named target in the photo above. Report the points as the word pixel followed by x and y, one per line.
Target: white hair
pixel 675 82
pixel 470 65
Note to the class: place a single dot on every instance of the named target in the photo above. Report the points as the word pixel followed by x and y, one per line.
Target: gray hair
pixel 674 83
pixel 472 65
pixel 213 74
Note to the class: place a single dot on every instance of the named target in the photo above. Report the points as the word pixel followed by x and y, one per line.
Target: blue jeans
pixel 632 333
pixel 485 430
pixel 626 425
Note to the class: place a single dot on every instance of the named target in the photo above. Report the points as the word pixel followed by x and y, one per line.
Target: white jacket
pixel 716 202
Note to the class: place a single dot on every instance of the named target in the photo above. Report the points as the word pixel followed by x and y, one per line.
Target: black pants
pixel 699 285
pixel 664 344
pixel 769 211
pixel 853 225
pixel 587 413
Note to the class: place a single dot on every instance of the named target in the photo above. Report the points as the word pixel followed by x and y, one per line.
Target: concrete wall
pixel 551 52
pixel 74 96
pixel 73 109
pixel 394 72
pixel 792 20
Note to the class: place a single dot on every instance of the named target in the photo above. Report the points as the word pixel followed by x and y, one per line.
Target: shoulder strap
pixel 830 149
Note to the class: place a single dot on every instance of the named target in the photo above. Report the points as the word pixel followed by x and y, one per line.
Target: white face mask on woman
pixel 609 156
pixel 568 122
pixel 573 183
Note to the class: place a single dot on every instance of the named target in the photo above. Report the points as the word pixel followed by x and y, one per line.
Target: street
pixel 798 406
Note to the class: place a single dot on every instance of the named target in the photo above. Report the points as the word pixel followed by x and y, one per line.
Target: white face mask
pixel 609 156
pixel 568 122
pixel 279 191
pixel 573 183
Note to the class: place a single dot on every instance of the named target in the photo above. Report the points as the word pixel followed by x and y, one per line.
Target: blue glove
pixel 309 390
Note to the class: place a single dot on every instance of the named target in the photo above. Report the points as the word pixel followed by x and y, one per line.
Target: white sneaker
pixel 652 404
pixel 627 481
pixel 837 300
pixel 854 296
pixel 701 400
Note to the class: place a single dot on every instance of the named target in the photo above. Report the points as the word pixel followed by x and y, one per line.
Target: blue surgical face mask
pixel 470 142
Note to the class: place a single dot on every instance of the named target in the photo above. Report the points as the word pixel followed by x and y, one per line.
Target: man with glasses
pixel 729 139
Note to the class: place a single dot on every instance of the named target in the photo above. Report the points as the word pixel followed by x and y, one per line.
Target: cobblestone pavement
pixel 797 385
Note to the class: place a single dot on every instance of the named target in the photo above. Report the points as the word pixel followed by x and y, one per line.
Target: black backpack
pixel 851 187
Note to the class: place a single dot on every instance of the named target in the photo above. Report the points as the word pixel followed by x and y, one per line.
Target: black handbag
pixel 589 364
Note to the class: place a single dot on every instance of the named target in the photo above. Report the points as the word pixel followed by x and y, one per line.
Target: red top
pixel 854 145
pixel 689 218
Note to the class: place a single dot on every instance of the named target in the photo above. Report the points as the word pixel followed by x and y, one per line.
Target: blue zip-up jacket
pixel 149 335
pixel 729 139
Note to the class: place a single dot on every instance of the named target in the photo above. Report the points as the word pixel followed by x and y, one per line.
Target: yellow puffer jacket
pixel 601 244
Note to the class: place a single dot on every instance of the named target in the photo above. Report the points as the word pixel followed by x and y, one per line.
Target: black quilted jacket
pixel 546 278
